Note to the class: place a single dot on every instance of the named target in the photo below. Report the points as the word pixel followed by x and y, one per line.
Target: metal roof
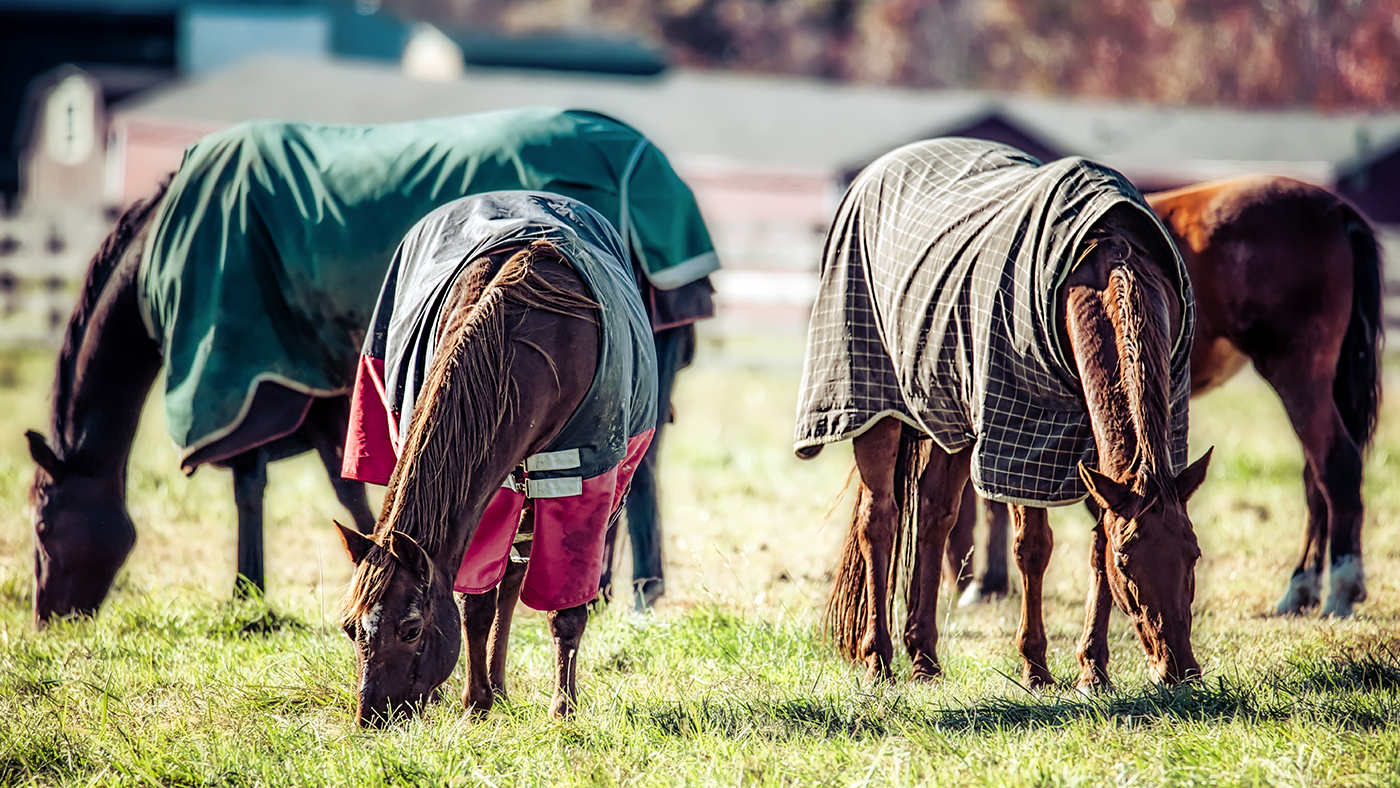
pixel 792 122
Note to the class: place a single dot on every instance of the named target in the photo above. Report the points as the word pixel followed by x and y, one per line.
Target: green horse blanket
pixel 266 255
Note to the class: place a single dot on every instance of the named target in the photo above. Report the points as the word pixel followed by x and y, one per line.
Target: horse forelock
pixel 466 397
pixel 107 260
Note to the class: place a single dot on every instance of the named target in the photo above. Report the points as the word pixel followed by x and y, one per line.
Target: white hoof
pixel 972 596
pixel 1304 592
pixel 1346 587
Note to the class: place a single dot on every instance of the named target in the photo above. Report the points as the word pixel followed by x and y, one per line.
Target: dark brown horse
pixel 106 366
pixel 538 348
pixel 1288 276
pixel 469 432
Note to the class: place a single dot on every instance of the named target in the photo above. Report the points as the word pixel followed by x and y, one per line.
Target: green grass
pixel 730 682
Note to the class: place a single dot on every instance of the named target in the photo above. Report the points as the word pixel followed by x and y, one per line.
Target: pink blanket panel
pixel 566 559
pixel 371 438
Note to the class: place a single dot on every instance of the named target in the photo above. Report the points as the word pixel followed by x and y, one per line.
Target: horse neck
pixel 446 474
pixel 1126 369
pixel 105 369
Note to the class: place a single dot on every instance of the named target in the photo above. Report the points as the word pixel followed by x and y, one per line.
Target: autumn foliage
pixel 1327 54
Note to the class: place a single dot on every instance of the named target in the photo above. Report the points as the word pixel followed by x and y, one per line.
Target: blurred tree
pixel 1328 54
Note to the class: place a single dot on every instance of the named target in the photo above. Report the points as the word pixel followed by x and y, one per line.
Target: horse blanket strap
pixel 580 477
pixel 558 487
pixel 257 259
pixel 938 306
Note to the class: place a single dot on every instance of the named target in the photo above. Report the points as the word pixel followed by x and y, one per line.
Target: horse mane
pixel 467 395
pixel 1144 342
pixel 104 264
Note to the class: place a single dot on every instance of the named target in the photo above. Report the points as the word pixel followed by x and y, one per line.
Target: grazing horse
pixel 510 346
pixel 244 280
pixel 1288 276
pixel 985 317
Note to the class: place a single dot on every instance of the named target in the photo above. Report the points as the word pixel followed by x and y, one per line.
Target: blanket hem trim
pixel 271 377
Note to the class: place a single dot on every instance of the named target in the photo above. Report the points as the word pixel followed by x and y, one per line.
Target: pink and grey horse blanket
pixel 577 483
pixel 938 306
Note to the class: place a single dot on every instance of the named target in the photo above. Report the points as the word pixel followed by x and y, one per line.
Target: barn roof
pixel 790 122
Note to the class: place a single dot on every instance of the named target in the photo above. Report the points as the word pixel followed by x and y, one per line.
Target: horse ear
pixel 409 552
pixel 356 543
pixel 1190 479
pixel 1109 493
pixel 43 455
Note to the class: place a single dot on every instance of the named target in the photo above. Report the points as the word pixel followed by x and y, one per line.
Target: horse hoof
pixel 980 594
pixel 562 706
pixel 926 671
pixel 972 596
pixel 1088 688
pixel 1347 587
pixel 1304 592
pixel 478 709
pixel 1037 680
pixel 879 674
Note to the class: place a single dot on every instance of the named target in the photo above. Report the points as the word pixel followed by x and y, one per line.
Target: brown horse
pixel 1117 312
pixel 464 439
pixel 106 366
pixel 1288 276
pixel 525 337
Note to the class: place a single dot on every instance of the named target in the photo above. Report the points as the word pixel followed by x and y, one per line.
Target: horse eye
pixel 410 629
pixel 1120 559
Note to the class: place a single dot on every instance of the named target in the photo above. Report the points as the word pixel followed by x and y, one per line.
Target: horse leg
pixel 941 495
pixel 566 627
pixel 876 453
pixel 1093 644
pixel 507 594
pixel 993 583
pixel 478 613
pixel 325 427
pixel 1333 469
pixel 605 580
pixel 1034 543
pixel 961 541
pixel 249 484
pixel 1304 590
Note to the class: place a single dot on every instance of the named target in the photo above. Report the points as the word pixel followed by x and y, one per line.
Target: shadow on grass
pixel 1351 691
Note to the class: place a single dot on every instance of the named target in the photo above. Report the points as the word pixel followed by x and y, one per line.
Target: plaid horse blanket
pixel 939 306
pixel 580 478
pixel 265 257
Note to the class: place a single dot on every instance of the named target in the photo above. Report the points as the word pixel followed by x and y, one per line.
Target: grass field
pixel 729 682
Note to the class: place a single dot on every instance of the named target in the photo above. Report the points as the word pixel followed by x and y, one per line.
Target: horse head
pixel 82 534
pixel 401 616
pixel 1151 563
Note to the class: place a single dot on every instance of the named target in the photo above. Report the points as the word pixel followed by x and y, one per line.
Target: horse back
pixel 1268 257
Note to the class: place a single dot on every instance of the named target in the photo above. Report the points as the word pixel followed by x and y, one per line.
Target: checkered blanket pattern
pixel 938 305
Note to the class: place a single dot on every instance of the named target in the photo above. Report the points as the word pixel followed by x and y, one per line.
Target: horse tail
pixel 848 607
pixel 908 468
pixel 468 391
pixel 1357 387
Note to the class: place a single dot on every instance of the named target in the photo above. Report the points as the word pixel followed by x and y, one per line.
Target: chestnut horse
pixel 1288 276
pixel 931 216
